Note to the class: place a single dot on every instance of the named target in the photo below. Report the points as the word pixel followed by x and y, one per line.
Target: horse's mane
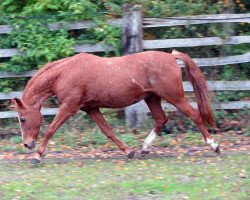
pixel 45 68
pixel 50 65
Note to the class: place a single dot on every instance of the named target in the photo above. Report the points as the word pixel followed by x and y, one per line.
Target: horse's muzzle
pixel 32 145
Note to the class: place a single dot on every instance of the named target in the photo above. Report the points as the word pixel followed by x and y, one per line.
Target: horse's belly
pixel 114 101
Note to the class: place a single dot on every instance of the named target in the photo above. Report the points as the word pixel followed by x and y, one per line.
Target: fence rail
pixel 149 22
pixel 198 19
pixel 213 85
pixel 194 42
pixel 13 114
pixel 234 105
pixel 151 44
pixel 5 53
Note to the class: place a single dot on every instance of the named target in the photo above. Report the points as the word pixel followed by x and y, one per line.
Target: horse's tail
pixel 201 90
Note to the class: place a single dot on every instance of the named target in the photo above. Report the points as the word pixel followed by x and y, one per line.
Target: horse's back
pixel 114 82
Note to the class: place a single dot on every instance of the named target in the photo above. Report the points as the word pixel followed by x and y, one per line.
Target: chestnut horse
pixel 88 82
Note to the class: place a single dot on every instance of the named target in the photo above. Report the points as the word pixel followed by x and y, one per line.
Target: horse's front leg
pixel 98 118
pixel 63 114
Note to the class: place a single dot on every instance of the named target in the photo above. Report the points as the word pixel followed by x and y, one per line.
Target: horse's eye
pixel 23 120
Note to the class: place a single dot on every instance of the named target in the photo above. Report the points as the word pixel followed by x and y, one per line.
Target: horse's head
pixel 30 120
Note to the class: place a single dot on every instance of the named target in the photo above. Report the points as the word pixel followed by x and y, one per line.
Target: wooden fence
pixel 156 44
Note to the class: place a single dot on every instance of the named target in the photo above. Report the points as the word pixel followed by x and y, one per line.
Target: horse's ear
pixel 18 103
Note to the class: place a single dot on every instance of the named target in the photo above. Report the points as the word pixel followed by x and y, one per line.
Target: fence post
pixel 229 28
pixel 132 29
pixel 132 43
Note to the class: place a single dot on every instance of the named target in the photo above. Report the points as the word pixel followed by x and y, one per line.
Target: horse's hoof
pixel 144 153
pixel 131 154
pixel 217 150
pixel 34 161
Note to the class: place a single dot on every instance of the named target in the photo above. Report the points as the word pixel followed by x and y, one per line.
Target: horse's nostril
pixel 33 144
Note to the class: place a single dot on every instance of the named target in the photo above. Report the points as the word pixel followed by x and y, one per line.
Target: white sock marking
pixel 212 143
pixel 148 141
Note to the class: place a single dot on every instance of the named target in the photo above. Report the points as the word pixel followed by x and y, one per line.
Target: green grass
pixel 158 178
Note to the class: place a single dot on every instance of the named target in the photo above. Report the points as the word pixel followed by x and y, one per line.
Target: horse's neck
pixel 37 91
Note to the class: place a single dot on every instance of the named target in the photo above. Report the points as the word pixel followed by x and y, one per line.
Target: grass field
pixel 188 177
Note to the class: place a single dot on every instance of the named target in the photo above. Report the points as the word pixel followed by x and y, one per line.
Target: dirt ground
pixel 230 143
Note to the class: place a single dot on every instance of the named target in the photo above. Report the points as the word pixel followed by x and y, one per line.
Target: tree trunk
pixel 228 28
pixel 132 43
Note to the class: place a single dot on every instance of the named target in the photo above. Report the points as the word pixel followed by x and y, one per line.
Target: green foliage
pixel 165 141
pixel 181 8
pixel 72 9
pixel 112 118
pixel 129 139
pixel 94 137
pixel 11 6
pixel 37 45
pixel 8 148
pixel 105 34
pixel 226 96
pixel 16 139
pixel 8 85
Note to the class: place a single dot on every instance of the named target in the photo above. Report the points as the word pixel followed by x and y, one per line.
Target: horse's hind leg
pixel 154 104
pixel 98 118
pixel 187 109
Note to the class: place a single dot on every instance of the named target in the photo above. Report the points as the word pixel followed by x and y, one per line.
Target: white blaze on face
pixel 148 141
pixel 20 126
pixel 212 143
